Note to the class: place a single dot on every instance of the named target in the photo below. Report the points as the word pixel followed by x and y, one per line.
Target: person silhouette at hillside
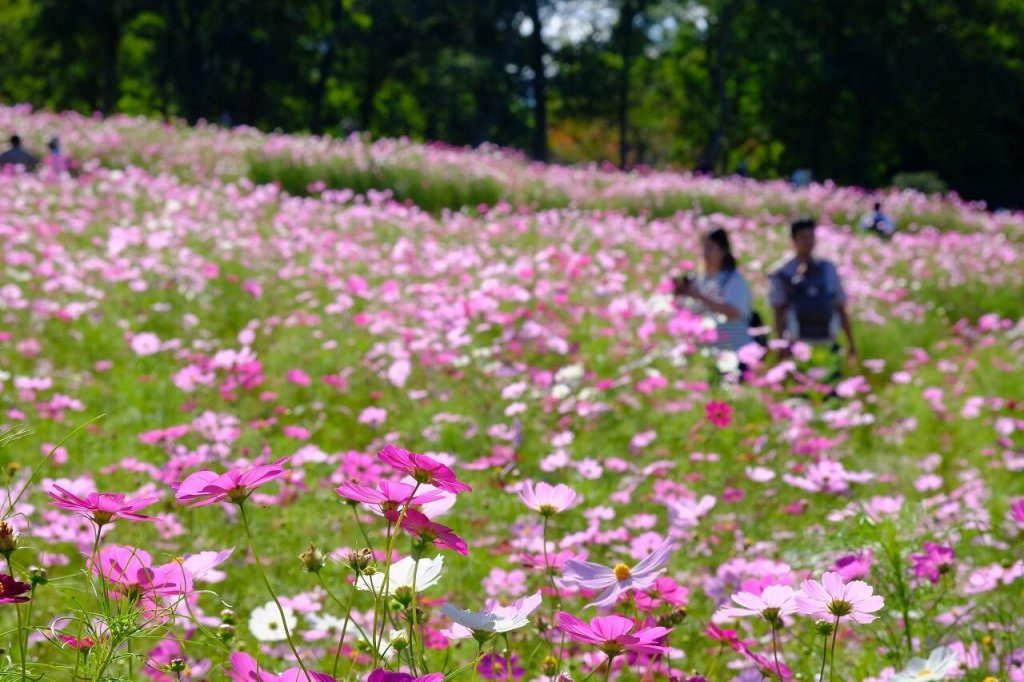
pixel 56 160
pixel 18 156
pixel 809 301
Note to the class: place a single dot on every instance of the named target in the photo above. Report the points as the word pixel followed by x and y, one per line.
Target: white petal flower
pixel 265 623
pixel 401 575
pixel 491 623
pixel 939 664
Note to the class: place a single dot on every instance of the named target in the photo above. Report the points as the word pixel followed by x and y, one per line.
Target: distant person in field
pixel 17 156
pixel 878 222
pixel 721 290
pixel 56 161
pixel 808 298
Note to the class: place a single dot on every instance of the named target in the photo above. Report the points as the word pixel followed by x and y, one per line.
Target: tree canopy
pixel 858 91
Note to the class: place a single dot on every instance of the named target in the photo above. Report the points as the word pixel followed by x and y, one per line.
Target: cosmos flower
pixel 547 499
pixel 101 508
pixel 619 578
pixel 612 634
pixel 423 469
pixel 236 485
pixel 833 599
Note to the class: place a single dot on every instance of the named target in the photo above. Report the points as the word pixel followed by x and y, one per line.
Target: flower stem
pixel 508 658
pixel 775 649
pixel 832 658
pixel 382 601
pixel 344 626
pixel 824 658
pixel 415 616
pixel 270 589
pixel 21 631
pixel 362 528
pixel 479 655
pixel 608 669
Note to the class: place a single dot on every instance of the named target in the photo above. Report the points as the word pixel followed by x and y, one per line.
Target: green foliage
pixel 927 182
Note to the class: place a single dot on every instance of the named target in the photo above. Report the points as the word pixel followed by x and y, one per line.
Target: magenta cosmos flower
pixel 101 508
pixel 208 487
pixel 934 563
pixel 718 413
pixel 382 675
pixel 1016 513
pixel 833 599
pixel 12 589
pixel 423 469
pixel 612 634
pixel 244 668
pixel 547 499
pixel 425 531
pixel 388 496
pixel 618 579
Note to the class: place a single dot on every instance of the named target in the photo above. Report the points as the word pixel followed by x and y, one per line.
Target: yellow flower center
pixel 924 673
pixel 621 572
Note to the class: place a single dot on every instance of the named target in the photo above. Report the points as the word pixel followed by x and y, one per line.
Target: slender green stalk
pixel 362 528
pixel 608 669
pixel 824 658
pixel 508 657
pixel 832 658
pixel 415 616
pixel 382 600
pixel 344 627
pixel 270 589
pixel 775 649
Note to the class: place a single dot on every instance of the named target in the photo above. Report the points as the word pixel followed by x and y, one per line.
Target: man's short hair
pixel 798 226
pixel 15 141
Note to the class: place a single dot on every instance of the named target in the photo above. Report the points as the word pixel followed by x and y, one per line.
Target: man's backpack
pixel 812 302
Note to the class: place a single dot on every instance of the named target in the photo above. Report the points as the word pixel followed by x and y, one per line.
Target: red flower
pixel 11 590
pixel 101 508
pixel 424 530
pixel 422 468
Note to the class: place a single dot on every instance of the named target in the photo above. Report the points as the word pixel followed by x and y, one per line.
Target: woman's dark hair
pixel 799 225
pixel 721 238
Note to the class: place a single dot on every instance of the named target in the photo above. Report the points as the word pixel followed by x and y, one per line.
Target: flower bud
pixel 228 616
pixel 313 560
pixel 549 665
pixel 177 666
pixel 227 631
pixel 8 539
pixel 361 561
pixel 824 627
pixel 37 575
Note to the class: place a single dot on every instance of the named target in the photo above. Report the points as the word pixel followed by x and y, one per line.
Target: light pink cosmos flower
pixel 618 579
pixel 835 600
pixel 612 634
pixel 423 469
pixel 101 508
pixel 208 487
pixel 774 603
pixel 244 668
pixel 547 499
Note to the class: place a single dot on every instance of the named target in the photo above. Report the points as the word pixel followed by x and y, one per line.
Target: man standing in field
pixel 808 299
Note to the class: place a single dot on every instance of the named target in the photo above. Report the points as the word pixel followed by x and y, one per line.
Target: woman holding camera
pixel 722 291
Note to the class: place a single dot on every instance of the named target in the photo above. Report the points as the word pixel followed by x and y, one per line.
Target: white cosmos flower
pixel 401 573
pixel 939 664
pixel 265 623
pixel 490 623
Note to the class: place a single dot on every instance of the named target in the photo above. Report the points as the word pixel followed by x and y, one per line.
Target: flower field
pixel 279 408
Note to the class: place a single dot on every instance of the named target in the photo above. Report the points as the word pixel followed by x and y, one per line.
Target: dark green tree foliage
pixel 859 91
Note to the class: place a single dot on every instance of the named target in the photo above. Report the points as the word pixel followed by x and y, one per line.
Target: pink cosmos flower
pixel 934 563
pixel 618 579
pixel 382 675
pixel 774 603
pixel 146 343
pixel 833 599
pixel 495 667
pixel 665 590
pixel 854 566
pixel 611 634
pixel 424 530
pixel 208 487
pixel 244 668
pixel 130 574
pixel 11 590
pixel 1016 513
pixel 547 499
pixel 388 495
pixel 718 413
pixel 423 469
pixel 101 508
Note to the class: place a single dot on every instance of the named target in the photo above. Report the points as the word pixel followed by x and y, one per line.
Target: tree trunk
pixel 540 103
pixel 714 149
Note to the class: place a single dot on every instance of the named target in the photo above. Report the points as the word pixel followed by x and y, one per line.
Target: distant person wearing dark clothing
pixel 17 156
pixel 808 298
pixel 878 222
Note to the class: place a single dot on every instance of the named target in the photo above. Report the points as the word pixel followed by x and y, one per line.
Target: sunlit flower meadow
pixel 283 409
